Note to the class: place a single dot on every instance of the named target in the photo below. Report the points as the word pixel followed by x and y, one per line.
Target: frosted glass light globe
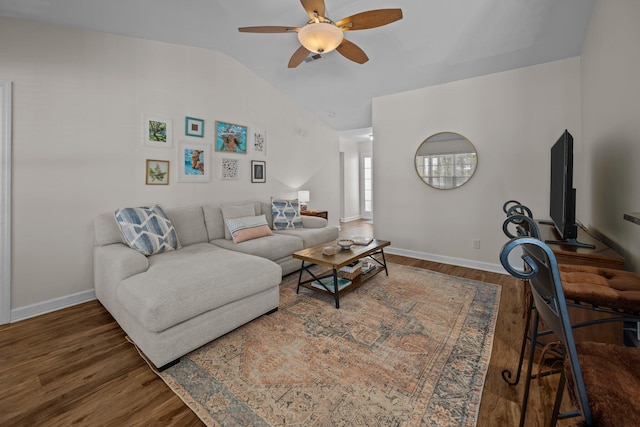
pixel 320 37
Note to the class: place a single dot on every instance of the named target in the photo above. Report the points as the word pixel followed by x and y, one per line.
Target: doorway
pixel 356 175
pixel 366 177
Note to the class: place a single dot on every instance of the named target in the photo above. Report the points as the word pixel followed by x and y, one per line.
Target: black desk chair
pixel 603 379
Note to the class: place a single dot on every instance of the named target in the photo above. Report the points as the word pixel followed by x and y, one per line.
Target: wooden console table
pixel 321 214
pixel 602 256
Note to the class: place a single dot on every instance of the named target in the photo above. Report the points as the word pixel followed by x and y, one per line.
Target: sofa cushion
pixel 314 222
pixel 271 247
pixel 182 284
pixel 148 230
pixel 107 231
pixel 248 228
pixel 189 224
pixel 236 211
pixel 267 210
pixel 286 214
pixel 312 236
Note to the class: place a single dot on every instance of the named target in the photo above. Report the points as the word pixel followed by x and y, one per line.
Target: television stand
pixel 598 254
pixel 570 242
pixel 566 242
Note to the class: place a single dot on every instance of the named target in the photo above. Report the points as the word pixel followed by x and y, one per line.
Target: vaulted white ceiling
pixel 437 41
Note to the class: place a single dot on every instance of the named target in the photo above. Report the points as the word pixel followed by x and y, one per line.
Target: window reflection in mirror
pixel 446 160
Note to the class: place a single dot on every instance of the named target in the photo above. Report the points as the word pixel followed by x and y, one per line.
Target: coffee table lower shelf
pixel 314 256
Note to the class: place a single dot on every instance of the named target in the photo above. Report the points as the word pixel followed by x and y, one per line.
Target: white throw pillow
pixel 236 211
pixel 248 228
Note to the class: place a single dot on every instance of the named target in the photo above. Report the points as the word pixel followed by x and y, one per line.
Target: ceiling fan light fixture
pixel 320 37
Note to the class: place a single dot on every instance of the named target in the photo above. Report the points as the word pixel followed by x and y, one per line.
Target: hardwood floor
pixel 75 367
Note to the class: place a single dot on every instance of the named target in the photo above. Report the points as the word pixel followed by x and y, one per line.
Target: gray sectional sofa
pixel 174 302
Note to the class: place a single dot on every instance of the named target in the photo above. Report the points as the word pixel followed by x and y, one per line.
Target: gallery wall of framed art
pixel 198 153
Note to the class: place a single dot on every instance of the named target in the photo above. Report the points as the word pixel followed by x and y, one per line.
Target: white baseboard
pixel 350 218
pixel 33 310
pixel 478 265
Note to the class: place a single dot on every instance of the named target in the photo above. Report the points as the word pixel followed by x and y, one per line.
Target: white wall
pixel 5 201
pixel 611 124
pixel 79 99
pixel 512 118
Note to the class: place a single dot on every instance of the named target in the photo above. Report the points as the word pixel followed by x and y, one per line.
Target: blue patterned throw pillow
pixel 148 230
pixel 286 214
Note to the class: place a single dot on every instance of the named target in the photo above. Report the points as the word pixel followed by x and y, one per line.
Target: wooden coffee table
pixel 314 256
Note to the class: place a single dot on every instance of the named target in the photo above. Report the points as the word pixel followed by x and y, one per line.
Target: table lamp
pixel 303 199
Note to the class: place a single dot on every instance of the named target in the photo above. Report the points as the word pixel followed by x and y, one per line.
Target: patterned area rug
pixel 405 350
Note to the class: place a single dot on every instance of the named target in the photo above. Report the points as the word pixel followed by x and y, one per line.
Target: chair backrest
pixel 525 226
pixel 514 207
pixel 522 217
pixel 544 278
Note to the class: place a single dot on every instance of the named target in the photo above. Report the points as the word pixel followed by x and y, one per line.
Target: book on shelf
pixel 328 281
pixel 351 267
pixel 363 241
pixel 367 266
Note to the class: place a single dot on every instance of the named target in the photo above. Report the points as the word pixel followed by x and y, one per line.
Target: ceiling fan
pixel 322 35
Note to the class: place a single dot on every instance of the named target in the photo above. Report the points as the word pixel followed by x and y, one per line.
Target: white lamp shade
pixel 320 37
pixel 303 196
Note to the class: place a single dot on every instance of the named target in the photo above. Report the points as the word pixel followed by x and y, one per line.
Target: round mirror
pixel 446 160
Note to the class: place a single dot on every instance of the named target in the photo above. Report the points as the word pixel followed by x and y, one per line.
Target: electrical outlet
pixel 476 243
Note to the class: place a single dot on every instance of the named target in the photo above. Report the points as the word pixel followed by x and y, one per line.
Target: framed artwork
pixel 194 165
pixel 259 142
pixel 229 169
pixel 157 172
pixel 193 127
pixel 157 131
pixel 231 138
pixel 258 171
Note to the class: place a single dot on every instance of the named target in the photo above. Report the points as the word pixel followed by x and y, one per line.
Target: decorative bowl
pixel 345 243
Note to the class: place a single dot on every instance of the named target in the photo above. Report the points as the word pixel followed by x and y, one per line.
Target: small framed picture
pixel 229 169
pixel 193 127
pixel 157 131
pixel 258 171
pixel 259 141
pixel 157 172
pixel 193 162
pixel 231 138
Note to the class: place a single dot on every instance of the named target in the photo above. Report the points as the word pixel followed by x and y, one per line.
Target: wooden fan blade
pixel 298 56
pixel 267 29
pixel 312 6
pixel 351 51
pixel 370 19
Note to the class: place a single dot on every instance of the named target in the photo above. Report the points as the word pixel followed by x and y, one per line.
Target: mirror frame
pixel 426 140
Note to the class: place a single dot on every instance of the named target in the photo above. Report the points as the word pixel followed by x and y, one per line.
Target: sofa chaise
pixel 172 302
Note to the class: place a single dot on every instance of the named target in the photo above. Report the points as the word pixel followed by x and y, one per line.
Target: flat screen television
pixel 562 203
